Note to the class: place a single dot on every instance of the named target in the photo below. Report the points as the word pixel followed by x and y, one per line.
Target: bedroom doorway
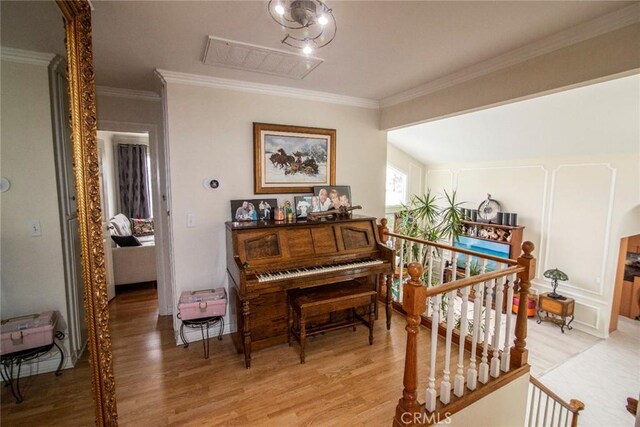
pixel 126 183
pixel 155 233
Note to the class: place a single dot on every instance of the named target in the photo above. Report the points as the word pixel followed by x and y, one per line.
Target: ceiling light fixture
pixel 310 23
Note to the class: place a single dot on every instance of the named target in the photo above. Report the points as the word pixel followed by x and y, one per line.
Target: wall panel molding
pixel 607 225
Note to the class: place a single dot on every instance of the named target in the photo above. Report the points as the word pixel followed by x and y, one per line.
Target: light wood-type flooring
pixel 344 380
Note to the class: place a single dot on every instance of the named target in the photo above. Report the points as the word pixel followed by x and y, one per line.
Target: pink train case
pixel 203 303
pixel 25 332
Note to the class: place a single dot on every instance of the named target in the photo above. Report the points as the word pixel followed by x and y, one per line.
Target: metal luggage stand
pixel 201 323
pixel 16 358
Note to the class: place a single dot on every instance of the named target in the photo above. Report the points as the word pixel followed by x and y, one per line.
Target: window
pixel 396 187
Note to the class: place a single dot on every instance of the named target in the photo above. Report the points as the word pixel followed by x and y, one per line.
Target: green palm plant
pixel 451 217
pixel 424 218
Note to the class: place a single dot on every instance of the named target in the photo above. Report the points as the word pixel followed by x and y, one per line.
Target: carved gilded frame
pixel 82 100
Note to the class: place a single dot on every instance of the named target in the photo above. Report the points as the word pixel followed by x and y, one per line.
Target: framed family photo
pixel 292 159
pixel 333 196
pixel 252 209
pixel 305 205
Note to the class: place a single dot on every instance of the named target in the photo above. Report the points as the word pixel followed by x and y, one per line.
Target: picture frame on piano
pixel 252 209
pixel 292 159
pixel 333 196
pixel 305 204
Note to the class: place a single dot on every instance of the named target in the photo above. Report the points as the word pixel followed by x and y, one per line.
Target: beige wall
pixel 490 410
pixel 575 211
pixel 31 267
pixel 576 65
pixel 211 135
pixel 409 165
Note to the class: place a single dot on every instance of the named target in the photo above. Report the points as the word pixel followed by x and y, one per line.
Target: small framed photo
pixel 306 204
pixel 252 209
pixel 333 196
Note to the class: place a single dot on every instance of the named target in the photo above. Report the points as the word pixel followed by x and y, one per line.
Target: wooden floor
pixel 158 383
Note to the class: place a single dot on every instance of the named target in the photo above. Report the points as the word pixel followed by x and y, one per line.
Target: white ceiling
pixel 381 48
pixel 597 119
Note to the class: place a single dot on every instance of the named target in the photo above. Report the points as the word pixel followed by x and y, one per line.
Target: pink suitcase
pixel 25 332
pixel 203 303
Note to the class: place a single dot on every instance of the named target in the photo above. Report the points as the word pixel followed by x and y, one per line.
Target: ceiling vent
pixel 259 59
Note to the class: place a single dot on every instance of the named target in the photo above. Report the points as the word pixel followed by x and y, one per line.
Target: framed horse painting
pixel 292 159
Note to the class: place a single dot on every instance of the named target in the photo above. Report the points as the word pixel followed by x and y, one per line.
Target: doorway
pixel 130 211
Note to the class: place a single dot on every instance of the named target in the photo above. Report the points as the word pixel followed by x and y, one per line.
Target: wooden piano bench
pixel 323 300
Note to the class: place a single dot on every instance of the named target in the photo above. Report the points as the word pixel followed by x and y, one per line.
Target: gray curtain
pixel 133 176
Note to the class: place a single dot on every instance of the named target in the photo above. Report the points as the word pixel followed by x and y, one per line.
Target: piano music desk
pixel 328 300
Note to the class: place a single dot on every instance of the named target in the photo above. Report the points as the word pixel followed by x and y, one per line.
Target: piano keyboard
pixel 308 271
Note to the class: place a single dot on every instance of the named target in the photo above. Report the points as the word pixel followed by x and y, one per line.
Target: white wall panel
pixel 579 223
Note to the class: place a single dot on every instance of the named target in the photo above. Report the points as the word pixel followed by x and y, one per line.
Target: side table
pixel 202 323
pixel 557 311
pixel 15 359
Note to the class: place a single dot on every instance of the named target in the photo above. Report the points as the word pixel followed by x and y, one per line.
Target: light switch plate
pixel 35 228
pixel 191 220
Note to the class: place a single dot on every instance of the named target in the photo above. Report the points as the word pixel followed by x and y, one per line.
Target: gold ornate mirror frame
pixel 82 100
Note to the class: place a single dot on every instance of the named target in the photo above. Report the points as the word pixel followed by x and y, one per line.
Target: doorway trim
pixel 162 240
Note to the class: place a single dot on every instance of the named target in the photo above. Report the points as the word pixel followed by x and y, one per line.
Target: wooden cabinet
pixel 506 234
pixel 557 311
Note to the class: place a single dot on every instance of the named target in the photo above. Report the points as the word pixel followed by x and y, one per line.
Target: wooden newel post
pixel 519 352
pixel 577 407
pixel 382 280
pixel 414 304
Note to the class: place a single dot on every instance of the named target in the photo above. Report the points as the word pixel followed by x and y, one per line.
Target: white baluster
pixel 484 365
pixel 532 396
pixel 430 401
pixel 472 373
pixel 401 270
pixel 442 265
pixel 506 352
pixel 429 270
pixel 458 388
pixel 445 384
pixel 495 360
pixel 420 257
pixel 454 266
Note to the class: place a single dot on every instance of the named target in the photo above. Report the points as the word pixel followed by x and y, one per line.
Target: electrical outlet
pixel 35 228
pixel 191 220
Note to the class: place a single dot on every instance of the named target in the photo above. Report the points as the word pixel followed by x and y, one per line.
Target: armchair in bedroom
pixel 133 264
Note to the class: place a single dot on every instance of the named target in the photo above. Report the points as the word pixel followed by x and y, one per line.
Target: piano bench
pixel 323 300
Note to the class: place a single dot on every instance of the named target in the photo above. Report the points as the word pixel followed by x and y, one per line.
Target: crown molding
pixel 142 95
pixel 22 56
pixel 610 22
pixel 264 89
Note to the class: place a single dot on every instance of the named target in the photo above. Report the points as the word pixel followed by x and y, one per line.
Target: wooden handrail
pixel 451 248
pixel 574 405
pixel 470 281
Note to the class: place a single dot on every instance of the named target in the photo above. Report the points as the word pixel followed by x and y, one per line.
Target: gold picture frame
pixel 292 159
pixel 82 100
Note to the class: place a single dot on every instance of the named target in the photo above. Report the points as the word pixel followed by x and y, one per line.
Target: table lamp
pixel 555 275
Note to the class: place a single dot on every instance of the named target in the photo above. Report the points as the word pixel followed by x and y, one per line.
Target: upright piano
pixel 265 259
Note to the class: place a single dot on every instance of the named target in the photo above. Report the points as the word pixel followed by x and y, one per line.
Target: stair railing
pixel 547 409
pixel 486 336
